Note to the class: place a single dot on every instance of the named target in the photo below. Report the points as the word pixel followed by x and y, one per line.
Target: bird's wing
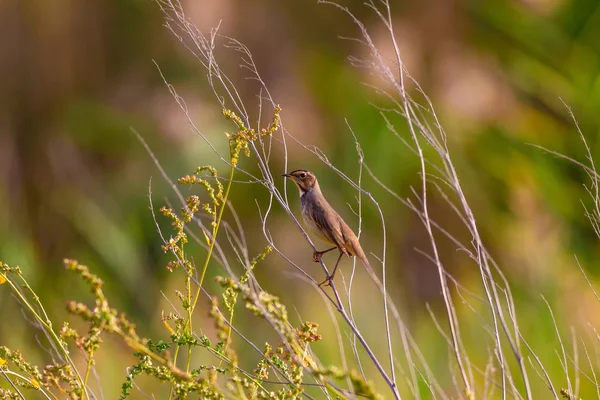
pixel 352 243
pixel 329 227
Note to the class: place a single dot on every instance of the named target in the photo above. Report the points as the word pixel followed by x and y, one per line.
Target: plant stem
pixel 214 238
pixel 46 323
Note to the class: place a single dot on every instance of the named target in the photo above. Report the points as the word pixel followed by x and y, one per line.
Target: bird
pixel 325 222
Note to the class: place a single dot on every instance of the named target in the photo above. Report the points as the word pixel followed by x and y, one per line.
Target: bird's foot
pixel 327 281
pixel 317 255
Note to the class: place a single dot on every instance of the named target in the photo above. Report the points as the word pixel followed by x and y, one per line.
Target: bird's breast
pixel 309 220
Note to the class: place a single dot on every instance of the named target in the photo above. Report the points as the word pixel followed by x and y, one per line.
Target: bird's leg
pixel 318 254
pixel 327 281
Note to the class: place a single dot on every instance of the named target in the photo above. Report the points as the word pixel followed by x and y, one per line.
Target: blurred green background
pixel 77 75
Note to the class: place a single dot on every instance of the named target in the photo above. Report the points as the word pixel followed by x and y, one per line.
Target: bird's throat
pixel 303 192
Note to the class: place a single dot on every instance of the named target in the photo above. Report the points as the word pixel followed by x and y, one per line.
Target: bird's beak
pixel 286 175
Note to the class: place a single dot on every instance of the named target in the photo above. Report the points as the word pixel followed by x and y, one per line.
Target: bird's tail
pixel 356 250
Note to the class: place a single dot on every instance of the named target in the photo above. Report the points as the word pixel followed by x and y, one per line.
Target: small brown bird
pixel 324 221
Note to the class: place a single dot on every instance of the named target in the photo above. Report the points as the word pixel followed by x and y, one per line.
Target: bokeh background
pixel 78 75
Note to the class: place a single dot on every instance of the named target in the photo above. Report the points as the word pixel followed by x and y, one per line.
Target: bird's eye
pixel 303 175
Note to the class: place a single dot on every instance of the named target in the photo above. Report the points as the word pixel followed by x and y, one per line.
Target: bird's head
pixel 305 180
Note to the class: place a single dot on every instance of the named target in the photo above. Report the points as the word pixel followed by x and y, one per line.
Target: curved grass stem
pixel 46 324
pixel 213 240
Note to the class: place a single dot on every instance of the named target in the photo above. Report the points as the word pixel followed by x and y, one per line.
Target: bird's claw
pixel 327 281
pixel 317 256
